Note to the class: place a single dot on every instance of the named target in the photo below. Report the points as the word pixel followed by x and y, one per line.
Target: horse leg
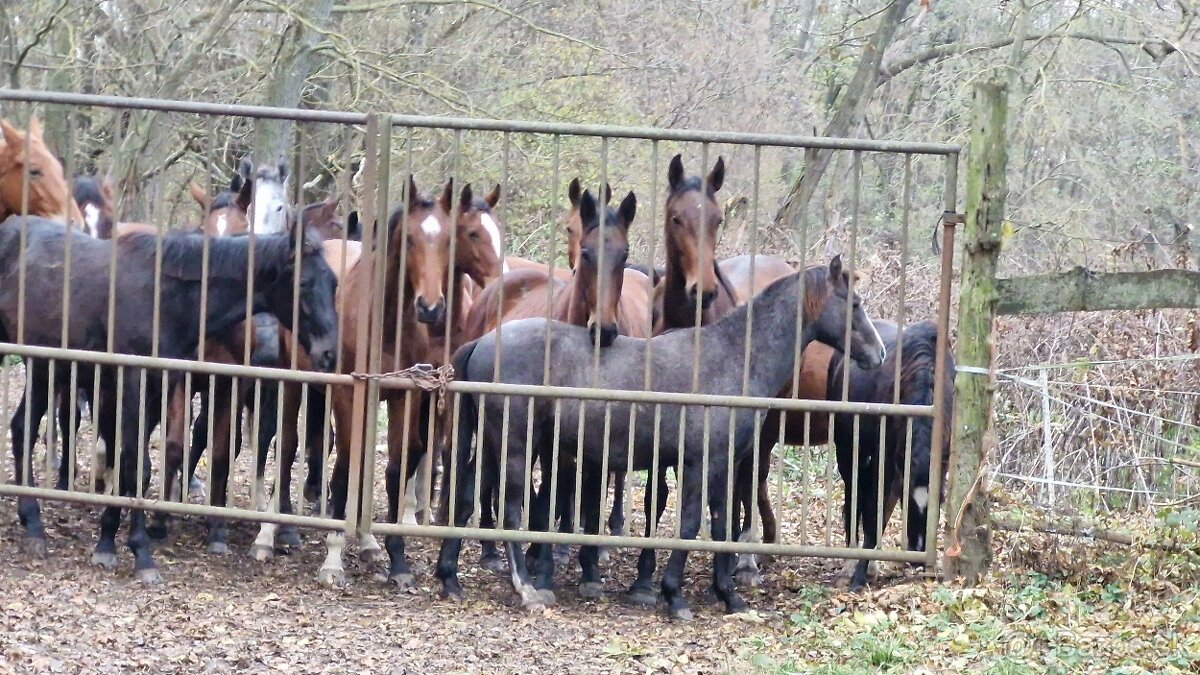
pixel 401 433
pixel 642 591
pixel 489 556
pixel 176 436
pixel 616 519
pixel 465 467
pixel 722 582
pixel 223 411
pixel 868 502
pixel 314 454
pixel 67 413
pixel 689 527
pixel 590 586
pixel 105 552
pixel 33 405
pixel 516 483
pixel 566 510
pixel 747 570
pixel 332 572
pixel 263 547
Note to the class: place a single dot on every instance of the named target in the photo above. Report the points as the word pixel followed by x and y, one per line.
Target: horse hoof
pixel 857 586
pixel 681 614
pixel 290 539
pixel 370 555
pixel 262 552
pixel 148 576
pixel 591 590
pixel 452 596
pixel 106 560
pixel 546 597
pixel 641 597
pixel 841 581
pixel 332 577
pixel 736 605
pixel 603 555
pixel 749 578
pixel 403 581
pixel 492 564
pixel 218 548
pixel 36 547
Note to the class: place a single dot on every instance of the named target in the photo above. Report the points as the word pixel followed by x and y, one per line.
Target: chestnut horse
pixel 414 301
pixel 48 194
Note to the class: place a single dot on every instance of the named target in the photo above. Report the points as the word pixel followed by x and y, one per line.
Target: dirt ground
pixel 230 613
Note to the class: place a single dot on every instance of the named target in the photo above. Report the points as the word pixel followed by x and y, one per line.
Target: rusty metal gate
pixel 531 162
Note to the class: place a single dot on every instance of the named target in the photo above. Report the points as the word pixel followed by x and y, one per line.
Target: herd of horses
pixel 301 291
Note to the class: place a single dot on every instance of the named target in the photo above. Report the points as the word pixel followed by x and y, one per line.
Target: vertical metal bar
pixel 361 436
pixel 752 504
pixel 939 369
pixel 852 266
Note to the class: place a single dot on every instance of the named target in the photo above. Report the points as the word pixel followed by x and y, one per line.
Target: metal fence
pixel 531 162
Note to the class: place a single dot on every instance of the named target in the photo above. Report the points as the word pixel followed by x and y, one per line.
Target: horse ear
pixel 466 198
pixel 835 270
pixel 627 210
pixel 12 136
pixel 447 200
pixel 313 242
pixel 413 192
pixel 587 210
pixel 245 195
pixel 675 172
pixel 283 170
pixel 716 178
pixel 198 194
pixel 573 192
pixel 493 197
pixel 607 193
pixel 246 171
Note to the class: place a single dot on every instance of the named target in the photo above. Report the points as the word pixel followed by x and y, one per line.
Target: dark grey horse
pixel 630 429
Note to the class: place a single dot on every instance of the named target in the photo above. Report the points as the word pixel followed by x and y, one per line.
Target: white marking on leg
pixel 422 484
pixel 920 497
pixel 431 227
pixel 410 503
pixel 748 562
pixel 873 569
pixel 368 542
pixel 176 495
pixel 261 502
pixel 91 216
pixel 266 537
pixel 334 543
pixel 848 568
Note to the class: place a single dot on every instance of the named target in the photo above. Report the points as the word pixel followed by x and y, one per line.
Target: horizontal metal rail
pixel 187 365
pixel 476 124
pixel 663 543
pixel 489 388
pixel 178 508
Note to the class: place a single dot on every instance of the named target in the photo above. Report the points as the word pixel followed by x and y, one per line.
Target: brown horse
pixel 414 300
pixel 228 212
pixel 48 195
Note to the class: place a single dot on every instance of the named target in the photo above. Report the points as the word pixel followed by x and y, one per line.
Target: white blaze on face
pixel 91 216
pixel 222 224
pixel 270 207
pixel 431 227
pixel 493 231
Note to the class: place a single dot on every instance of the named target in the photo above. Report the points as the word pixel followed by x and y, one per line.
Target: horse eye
pixel 35 172
pixel 473 235
pixel 676 221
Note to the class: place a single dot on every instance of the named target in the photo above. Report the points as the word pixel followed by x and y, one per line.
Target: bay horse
pixel 96 199
pixel 178 333
pixel 414 300
pixel 889 435
pixel 621 366
pixel 476 261
pixel 228 212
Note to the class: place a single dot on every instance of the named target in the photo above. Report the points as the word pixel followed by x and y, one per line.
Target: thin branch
pixel 14 75
pixel 944 51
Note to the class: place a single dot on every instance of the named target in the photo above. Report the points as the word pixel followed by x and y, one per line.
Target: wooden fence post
pixel 968 534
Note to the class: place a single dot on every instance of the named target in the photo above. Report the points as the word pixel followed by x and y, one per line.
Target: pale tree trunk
pixel 292 69
pixel 848 114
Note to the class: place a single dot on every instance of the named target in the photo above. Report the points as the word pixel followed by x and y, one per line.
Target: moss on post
pixel 968 534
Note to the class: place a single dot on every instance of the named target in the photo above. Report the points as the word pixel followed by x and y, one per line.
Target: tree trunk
pixel 849 111
pixel 968 537
pixel 292 70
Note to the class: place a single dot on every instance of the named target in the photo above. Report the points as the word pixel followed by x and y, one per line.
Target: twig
pixel 1078 528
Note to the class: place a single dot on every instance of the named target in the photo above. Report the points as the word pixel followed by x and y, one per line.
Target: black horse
pixel 177 335
pixel 621 366
pixel 917 354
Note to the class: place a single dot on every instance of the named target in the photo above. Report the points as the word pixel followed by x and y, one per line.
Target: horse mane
pixel 816 277
pixel 687 185
pixel 224 200
pixel 228 257
pixel 86 189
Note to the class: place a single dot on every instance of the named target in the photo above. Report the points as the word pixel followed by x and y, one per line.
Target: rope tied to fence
pixel 425 376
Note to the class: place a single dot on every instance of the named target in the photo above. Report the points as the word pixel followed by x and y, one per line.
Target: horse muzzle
pixel 706 297
pixel 602 335
pixel 430 313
